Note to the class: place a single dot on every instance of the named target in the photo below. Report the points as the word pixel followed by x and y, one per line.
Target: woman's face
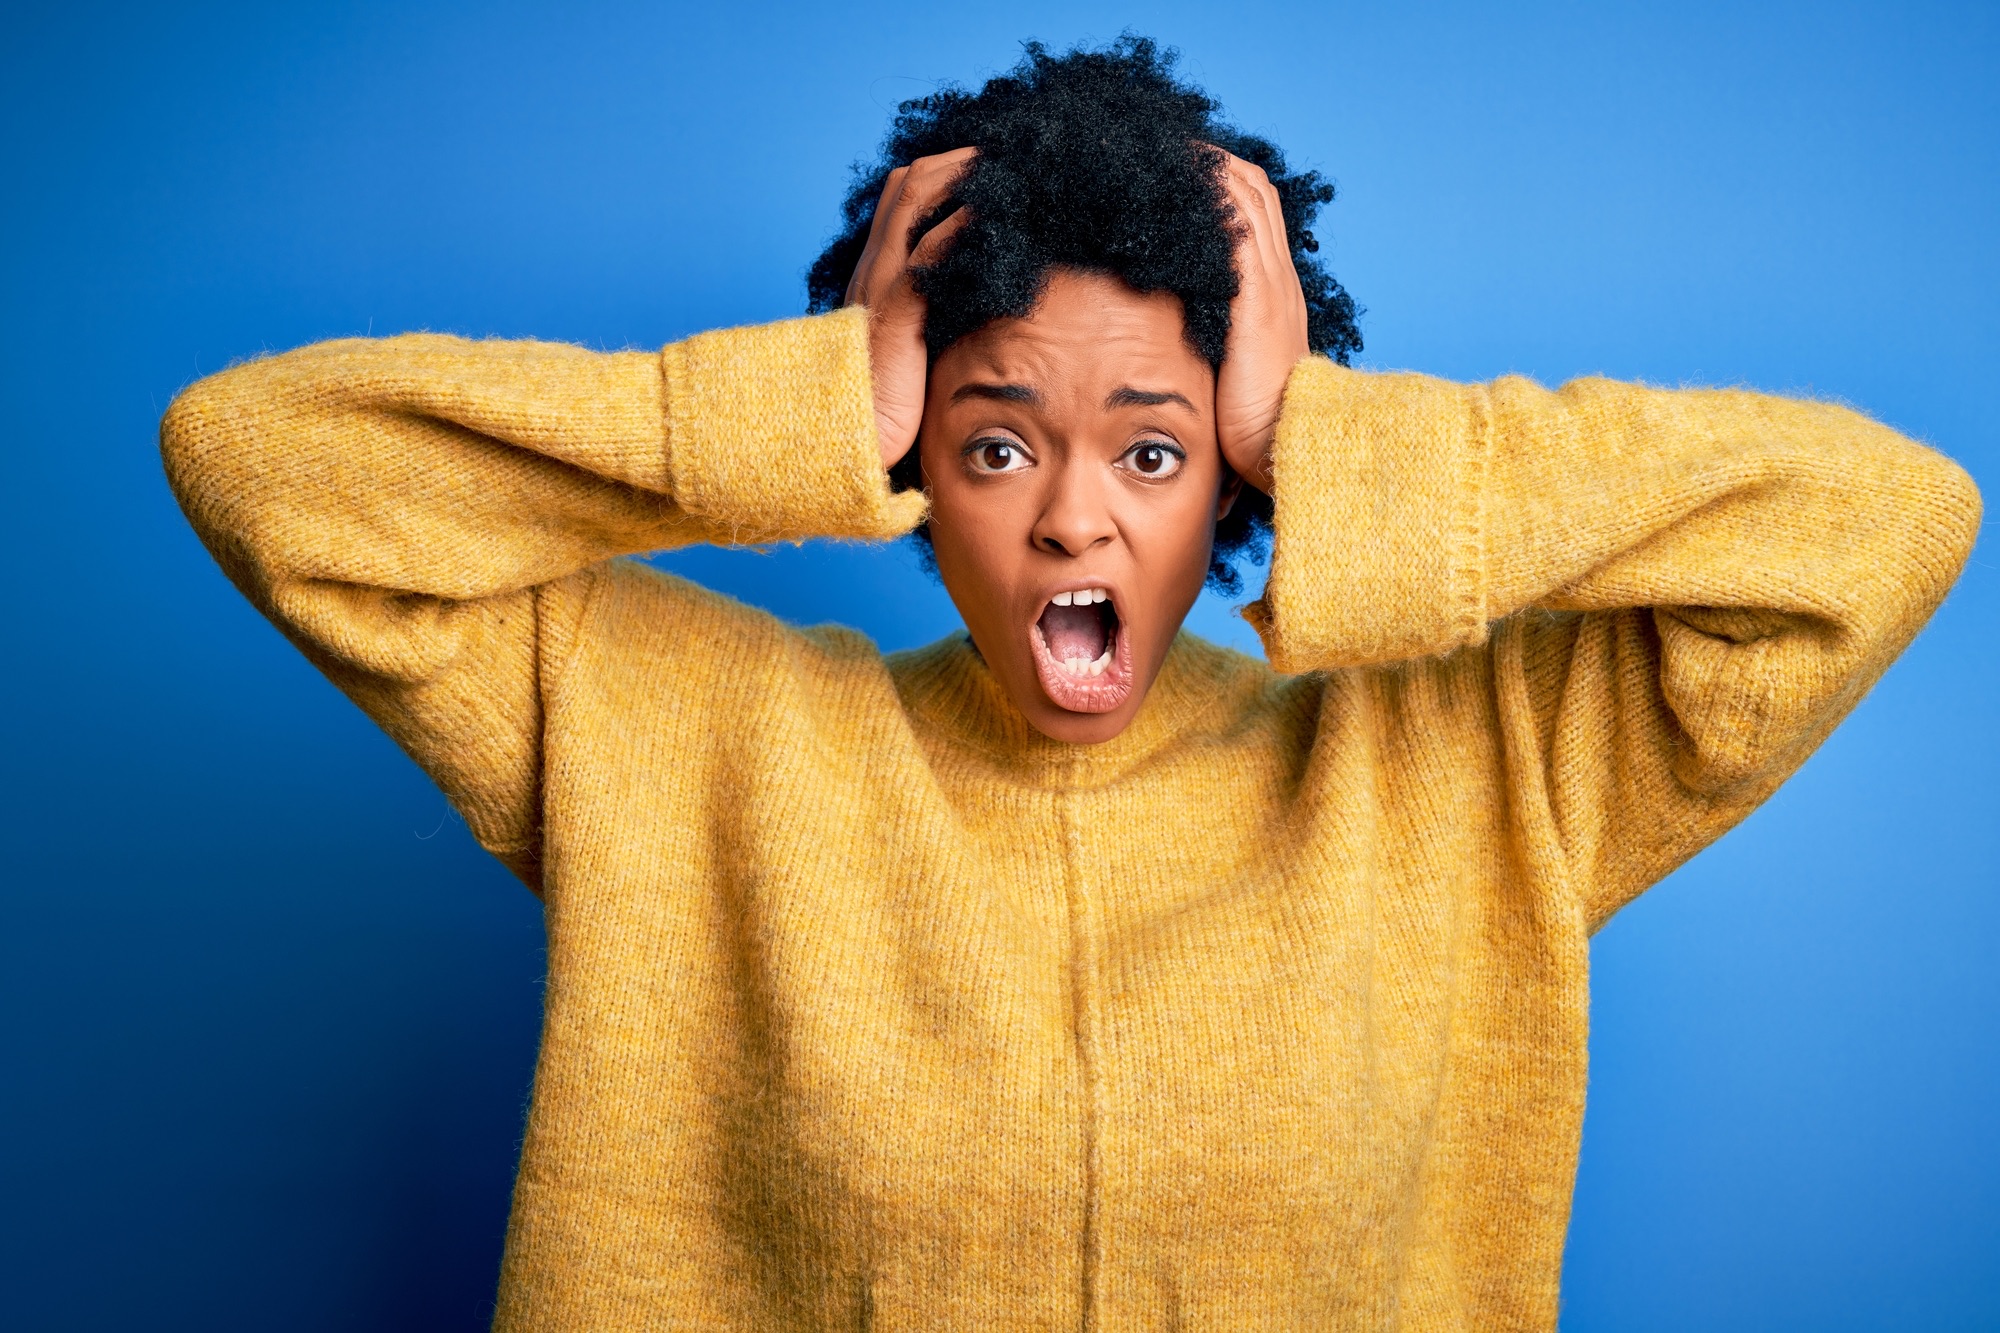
pixel 1075 485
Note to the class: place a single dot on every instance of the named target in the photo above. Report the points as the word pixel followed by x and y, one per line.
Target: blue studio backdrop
pixel 269 1016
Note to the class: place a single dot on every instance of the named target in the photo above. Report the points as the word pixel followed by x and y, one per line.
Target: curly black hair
pixel 1099 160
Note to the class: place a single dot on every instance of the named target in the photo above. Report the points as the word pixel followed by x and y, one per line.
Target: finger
pixel 929 181
pixel 1274 210
pixel 1253 185
pixel 1255 247
pixel 935 240
pixel 1257 199
pixel 1267 250
pixel 857 285
pixel 1247 199
pixel 1270 287
pixel 909 193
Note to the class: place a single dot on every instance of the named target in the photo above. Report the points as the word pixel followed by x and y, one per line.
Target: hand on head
pixel 881 281
pixel 1267 328
pixel 1079 456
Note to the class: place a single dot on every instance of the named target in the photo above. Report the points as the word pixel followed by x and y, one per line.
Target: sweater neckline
pixel 950 694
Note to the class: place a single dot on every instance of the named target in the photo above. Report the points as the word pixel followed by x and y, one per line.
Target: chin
pixel 1060 724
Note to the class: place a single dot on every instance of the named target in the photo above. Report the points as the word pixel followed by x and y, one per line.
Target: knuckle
pixel 937 166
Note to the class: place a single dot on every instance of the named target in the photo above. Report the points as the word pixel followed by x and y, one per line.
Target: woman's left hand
pixel 1267 327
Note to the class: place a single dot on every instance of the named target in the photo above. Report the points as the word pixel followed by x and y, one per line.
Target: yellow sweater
pixel 870 1008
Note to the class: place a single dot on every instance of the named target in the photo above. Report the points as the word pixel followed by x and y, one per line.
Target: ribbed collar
pixel 952 696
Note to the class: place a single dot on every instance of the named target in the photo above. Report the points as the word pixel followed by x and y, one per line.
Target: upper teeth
pixel 1081 597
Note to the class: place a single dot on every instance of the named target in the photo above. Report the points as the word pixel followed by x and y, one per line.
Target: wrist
pixel 1259 471
pixel 772 433
pixel 1288 403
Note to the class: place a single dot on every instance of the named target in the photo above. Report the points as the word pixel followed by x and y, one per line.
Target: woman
pixel 1071 972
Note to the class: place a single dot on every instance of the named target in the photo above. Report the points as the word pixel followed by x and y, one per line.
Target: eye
pixel 996 454
pixel 1153 459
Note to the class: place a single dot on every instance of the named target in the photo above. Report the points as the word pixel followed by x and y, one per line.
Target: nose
pixel 1075 517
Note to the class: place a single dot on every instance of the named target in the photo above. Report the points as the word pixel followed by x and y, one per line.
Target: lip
pixel 1088 694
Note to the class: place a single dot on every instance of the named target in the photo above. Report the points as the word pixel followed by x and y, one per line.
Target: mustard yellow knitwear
pixel 870 1008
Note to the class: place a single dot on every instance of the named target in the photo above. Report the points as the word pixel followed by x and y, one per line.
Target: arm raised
pixel 423 515
pixel 1684 590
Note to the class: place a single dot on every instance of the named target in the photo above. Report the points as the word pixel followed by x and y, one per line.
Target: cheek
pixel 971 557
pixel 1176 532
pixel 952 515
pixel 978 522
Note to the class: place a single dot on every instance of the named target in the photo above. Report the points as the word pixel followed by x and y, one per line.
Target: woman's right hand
pixel 897 359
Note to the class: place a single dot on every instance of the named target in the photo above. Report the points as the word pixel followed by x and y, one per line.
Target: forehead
pixel 1089 333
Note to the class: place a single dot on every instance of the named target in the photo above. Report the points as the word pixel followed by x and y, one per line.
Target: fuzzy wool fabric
pixel 871 1008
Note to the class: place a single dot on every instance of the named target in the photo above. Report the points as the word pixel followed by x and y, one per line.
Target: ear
pixel 1232 486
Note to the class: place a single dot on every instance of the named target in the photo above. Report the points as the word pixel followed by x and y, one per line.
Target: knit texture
pixel 870 1007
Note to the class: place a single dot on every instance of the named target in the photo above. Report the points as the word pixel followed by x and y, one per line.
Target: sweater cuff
pixel 771 432
pixel 1378 484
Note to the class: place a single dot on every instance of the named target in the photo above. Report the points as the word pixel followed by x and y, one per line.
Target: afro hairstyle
pixel 1099 160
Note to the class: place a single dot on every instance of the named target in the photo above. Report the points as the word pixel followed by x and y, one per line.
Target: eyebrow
pixel 1127 396
pixel 1006 393
pixel 1122 396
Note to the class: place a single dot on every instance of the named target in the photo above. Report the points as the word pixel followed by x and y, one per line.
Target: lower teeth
pixel 1077 666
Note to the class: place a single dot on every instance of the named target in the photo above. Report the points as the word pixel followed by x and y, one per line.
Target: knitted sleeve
pixel 423 515
pixel 1681 591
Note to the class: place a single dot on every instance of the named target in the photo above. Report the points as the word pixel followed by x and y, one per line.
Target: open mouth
pixel 1081 652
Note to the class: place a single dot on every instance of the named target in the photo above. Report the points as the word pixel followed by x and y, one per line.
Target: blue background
pixel 269 1016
